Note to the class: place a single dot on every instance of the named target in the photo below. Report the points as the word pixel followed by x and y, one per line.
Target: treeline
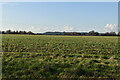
pixel 91 33
pixel 16 32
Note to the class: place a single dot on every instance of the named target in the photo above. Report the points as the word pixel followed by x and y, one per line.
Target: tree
pixel 112 33
pixel 8 31
pixel 24 32
pixel 96 34
pixel 91 33
pixel 3 32
pixel 29 32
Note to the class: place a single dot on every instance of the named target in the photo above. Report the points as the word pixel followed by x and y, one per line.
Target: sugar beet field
pixel 57 57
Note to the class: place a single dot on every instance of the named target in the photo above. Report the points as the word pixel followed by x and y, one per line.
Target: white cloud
pixel 111 27
pixel 39 29
pixel 68 28
pixel 51 29
pixel 33 29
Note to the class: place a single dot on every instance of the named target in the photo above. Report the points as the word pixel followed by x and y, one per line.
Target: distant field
pixel 43 56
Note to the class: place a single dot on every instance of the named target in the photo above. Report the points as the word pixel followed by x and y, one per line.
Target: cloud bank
pixel 68 28
pixel 111 27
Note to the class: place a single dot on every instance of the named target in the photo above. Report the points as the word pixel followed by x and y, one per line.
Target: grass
pixel 44 56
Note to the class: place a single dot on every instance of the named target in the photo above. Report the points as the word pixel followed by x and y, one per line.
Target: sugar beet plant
pixel 43 56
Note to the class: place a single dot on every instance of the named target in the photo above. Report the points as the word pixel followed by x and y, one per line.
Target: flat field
pixel 44 56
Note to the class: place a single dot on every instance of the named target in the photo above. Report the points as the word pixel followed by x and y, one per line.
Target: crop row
pixel 38 65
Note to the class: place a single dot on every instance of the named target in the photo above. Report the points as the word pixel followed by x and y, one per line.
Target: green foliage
pixel 40 56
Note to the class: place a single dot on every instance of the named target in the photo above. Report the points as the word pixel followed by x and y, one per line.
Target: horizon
pixel 60 16
pixel 59 31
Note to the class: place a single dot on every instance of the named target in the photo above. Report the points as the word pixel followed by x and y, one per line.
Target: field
pixel 43 56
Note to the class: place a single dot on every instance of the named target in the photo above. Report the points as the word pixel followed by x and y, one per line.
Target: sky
pixel 60 16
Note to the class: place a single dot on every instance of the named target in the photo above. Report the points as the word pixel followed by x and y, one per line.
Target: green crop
pixel 44 56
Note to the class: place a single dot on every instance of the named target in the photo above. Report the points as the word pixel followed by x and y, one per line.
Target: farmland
pixel 44 56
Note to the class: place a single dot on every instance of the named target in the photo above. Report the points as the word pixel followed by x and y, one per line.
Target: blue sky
pixel 60 16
